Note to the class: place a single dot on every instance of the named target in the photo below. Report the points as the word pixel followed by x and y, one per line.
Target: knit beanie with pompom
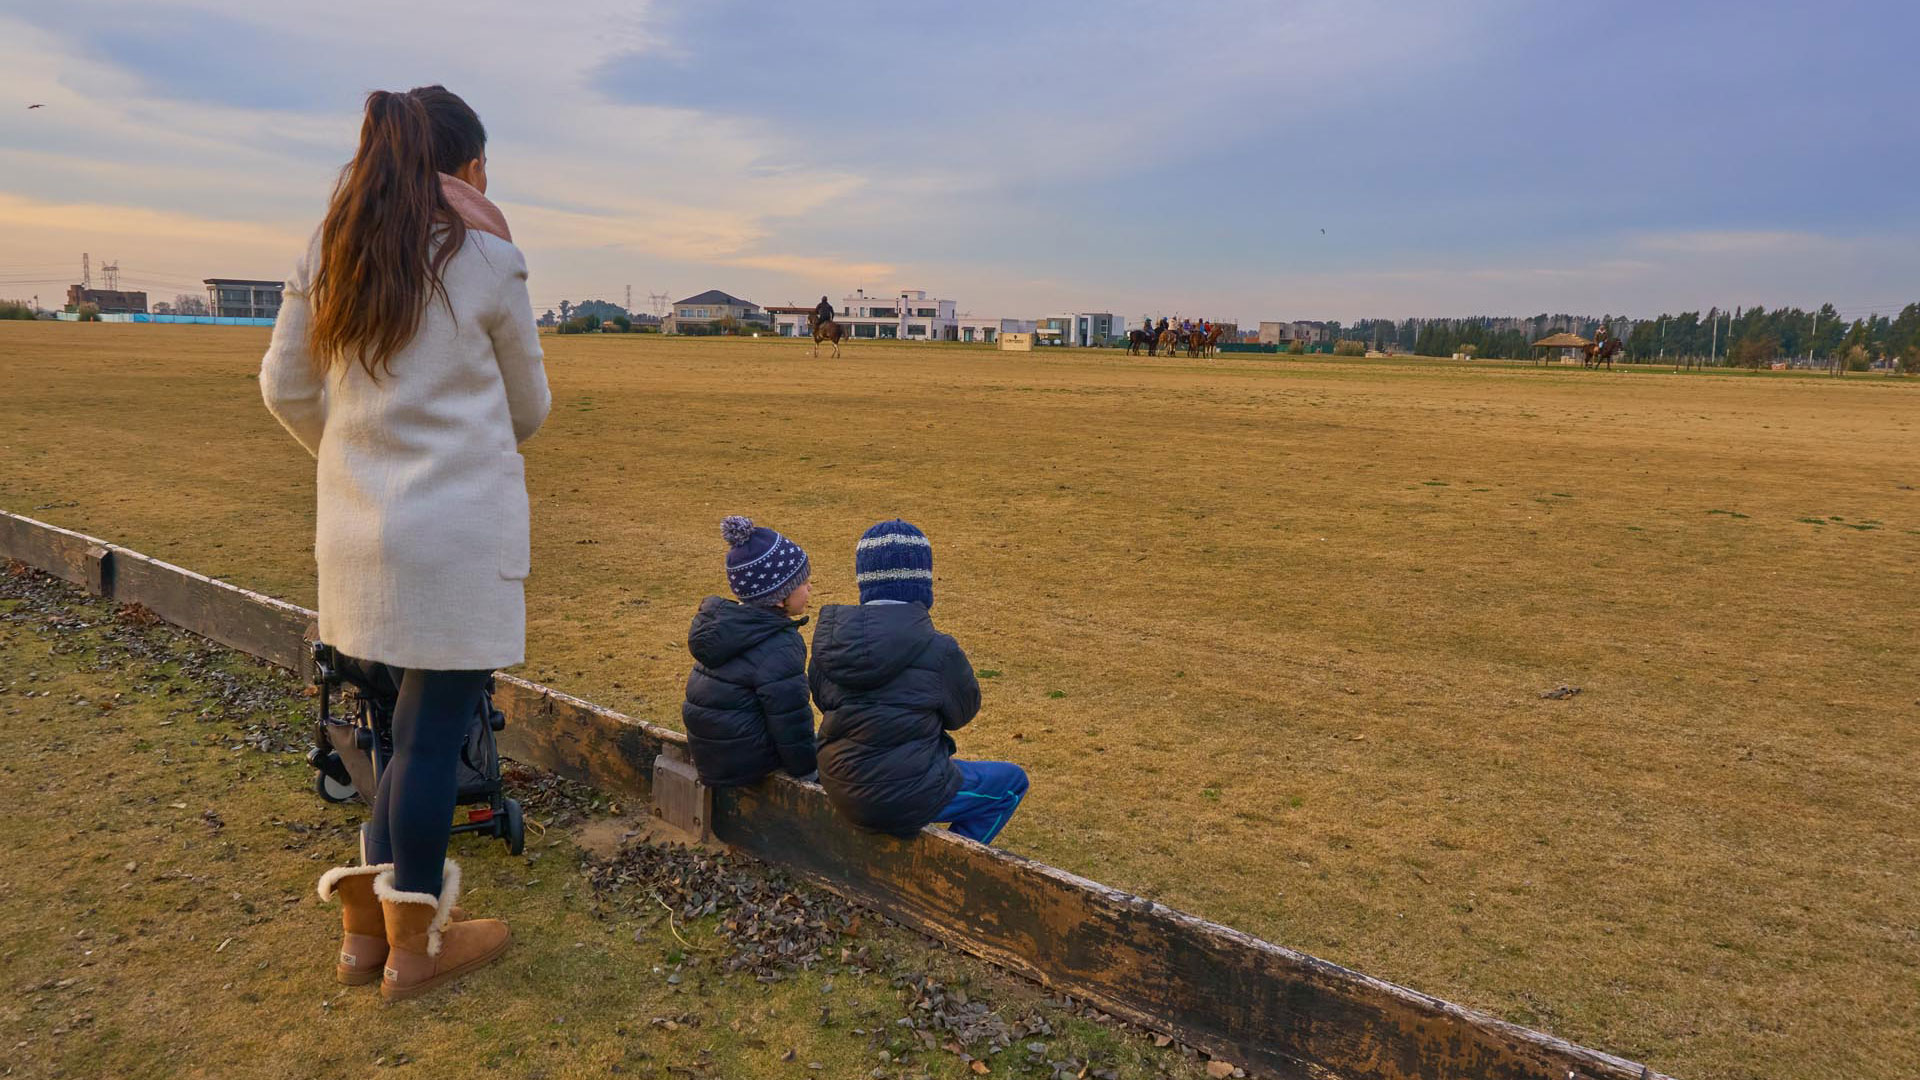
pixel 763 567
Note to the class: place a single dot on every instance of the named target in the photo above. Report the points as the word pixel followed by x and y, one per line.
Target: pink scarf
pixel 474 208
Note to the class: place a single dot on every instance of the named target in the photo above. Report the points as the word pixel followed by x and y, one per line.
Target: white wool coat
pixel 422 535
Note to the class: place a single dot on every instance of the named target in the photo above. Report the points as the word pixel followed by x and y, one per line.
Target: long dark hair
pixel 378 266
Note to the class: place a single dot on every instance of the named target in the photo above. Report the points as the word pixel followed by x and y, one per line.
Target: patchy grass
pixel 1103 522
pixel 162 922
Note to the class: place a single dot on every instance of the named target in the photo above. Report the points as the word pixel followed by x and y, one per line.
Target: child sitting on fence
pixel 890 687
pixel 746 711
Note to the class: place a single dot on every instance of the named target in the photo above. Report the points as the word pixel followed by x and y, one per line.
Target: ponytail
pixel 379 266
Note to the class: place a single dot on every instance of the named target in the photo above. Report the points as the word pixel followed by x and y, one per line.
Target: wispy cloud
pixel 1132 156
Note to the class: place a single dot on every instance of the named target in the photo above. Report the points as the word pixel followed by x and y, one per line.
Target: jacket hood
pixel 723 629
pixel 864 646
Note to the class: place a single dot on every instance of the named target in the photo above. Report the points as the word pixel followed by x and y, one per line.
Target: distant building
pixel 907 315
pixel 1080 328
pixel 707 308
pixel 109 301
pixel 986 328
pixel 242 298
pixel 1286 333
pixel 789 320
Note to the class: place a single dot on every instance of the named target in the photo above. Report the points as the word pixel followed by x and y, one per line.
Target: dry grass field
pixel 1270 635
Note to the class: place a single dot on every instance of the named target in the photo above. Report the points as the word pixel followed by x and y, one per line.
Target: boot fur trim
pixel 442 904
pixel 332 878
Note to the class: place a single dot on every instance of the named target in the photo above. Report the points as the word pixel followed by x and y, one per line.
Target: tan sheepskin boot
pixel 363 937
pixel 425 946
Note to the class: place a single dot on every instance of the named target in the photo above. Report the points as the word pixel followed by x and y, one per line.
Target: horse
pixel 1210 341
pixel 1138 338
pixel 1170 339
pixel 1600 352
pixel 829 331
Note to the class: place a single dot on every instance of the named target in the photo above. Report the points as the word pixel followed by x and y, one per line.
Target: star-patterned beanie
pixel 763 567
pixel 894 562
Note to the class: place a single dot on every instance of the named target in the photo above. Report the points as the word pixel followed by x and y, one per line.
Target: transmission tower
pixel 629 299
pixel 86 271
pixel 112 272
pixel 658 301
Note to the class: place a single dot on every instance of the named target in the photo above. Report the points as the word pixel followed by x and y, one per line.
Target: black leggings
pixel 413 810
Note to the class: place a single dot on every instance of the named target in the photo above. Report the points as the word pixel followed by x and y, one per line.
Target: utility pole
pixel 629 299
pixel 1813 337
pixel 1714 348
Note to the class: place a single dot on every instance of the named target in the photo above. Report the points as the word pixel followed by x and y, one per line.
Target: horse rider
pixel 1162 328
pixel 823 312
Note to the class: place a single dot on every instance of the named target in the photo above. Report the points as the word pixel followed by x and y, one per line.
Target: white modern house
pixel 1080 328
pixel 907 314
pixel 987 328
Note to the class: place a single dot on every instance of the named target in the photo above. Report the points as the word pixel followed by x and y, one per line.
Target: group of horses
pixel 1196 342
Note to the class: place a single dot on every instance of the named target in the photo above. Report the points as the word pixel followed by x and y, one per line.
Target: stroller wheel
pixel 333 790
pixel 513 827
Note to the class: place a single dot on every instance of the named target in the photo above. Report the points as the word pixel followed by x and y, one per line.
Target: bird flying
pixel 42 105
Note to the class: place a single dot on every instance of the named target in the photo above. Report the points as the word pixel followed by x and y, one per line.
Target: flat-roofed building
pixel 243 298
pixel 109 301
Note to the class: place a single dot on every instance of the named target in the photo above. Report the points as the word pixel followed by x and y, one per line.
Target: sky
pixel 1235 159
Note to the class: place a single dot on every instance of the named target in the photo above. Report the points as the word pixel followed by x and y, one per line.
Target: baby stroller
pixel 349 752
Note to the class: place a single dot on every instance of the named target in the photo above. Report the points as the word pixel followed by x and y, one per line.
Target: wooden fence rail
pixel 1274 1011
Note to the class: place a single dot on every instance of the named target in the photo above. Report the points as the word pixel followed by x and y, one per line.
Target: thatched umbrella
pixel 1560 341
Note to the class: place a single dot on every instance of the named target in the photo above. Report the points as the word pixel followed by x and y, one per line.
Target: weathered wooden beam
pixel 580 740
pixel 1249 1001
pixel 251 622
pixel 49 548
pixel 1271 1009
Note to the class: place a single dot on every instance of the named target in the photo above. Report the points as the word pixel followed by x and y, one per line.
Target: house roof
pixel 715 296
pixel 242 281
pixel 1561 341
pixel 783 310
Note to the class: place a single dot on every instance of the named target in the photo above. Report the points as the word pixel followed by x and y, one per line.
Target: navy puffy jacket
pixel 746 712
pixel 889 687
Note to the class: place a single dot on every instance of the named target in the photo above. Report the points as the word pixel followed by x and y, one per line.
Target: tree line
pixel 1745 336
pixel 1756 336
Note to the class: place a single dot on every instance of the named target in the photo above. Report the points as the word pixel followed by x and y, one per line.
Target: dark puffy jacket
pixel 746 712
pixel 889 687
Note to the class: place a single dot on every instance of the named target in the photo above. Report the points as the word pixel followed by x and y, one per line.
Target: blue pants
pixel 989 793
pixel 412 816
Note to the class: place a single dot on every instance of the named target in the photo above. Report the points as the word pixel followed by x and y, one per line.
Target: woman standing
pixel 406 360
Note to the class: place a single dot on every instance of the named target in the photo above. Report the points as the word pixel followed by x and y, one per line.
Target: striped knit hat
pixel 894 562
pixel 763 567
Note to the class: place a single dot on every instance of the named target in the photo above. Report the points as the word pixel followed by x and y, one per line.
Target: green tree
pixel 1756 347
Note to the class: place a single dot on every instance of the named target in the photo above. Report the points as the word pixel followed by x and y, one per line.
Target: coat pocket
pixel 516 519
